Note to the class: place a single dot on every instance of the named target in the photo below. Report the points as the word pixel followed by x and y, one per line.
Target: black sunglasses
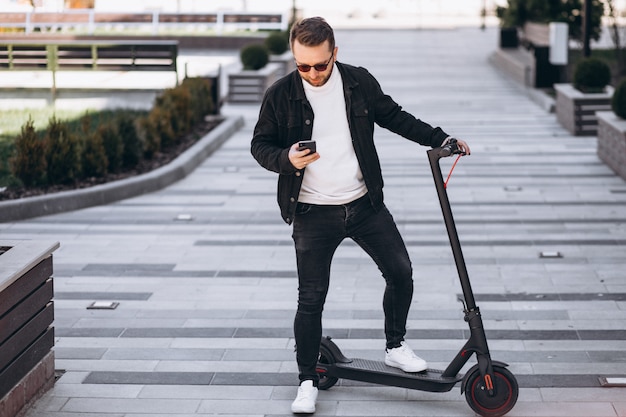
pixel 318 67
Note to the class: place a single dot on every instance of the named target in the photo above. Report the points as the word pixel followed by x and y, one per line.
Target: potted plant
pixel 508 27
pixel 277 44
pixel 612 132
pixel 257 74
pixel 254 56
pixel 577 103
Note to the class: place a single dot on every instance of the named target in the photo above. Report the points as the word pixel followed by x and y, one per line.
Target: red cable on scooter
pixel 445 184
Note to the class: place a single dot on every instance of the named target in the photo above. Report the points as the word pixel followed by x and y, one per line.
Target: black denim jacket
pixel 286 117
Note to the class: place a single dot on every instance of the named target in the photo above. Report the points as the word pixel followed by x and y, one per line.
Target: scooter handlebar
pixel 450 148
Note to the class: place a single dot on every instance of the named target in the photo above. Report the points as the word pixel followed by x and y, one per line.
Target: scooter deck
pixel 377 372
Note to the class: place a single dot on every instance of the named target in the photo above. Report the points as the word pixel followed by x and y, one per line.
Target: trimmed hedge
pixel 94 159
pixel 592 75
pixel 30 162
pixel 62 153
pixel 277 43
pixel 254 56
pixel 618 101
pixel 108 142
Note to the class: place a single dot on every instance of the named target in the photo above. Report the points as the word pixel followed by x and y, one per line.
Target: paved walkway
pixel 203 325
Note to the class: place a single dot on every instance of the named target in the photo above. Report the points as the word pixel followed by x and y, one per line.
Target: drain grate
pixel 103 305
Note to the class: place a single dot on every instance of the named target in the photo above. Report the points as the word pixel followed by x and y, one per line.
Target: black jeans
pixel 317 232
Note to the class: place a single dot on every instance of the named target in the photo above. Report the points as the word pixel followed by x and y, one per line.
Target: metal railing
pixel 154 22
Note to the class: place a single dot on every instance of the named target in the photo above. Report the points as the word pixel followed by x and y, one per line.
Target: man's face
pixel 311 56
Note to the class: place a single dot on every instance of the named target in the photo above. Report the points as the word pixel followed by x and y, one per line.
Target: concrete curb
pixel 25 208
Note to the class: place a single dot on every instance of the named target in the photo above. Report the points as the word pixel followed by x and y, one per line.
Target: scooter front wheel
pixel 478 398
pixel 326 358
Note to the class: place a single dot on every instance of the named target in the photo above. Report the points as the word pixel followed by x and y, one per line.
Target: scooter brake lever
pixel 449 148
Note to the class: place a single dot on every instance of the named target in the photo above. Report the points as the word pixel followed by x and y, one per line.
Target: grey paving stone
pixel 131 406
pixel 101 295
pixel 91 332
pixel 164 354
pixel 79 353
pixel 178 332
pixel 207 392
pixel 150 378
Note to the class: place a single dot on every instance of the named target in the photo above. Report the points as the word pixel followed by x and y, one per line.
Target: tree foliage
pixel 518 12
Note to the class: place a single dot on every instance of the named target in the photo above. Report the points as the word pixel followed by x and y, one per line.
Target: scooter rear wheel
pixel 507 391
pixel 327 358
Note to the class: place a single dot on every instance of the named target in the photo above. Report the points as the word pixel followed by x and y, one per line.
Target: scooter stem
pixel 434 155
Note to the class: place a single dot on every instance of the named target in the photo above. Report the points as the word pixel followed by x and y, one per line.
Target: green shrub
pixel 93 157
pixel 161 119
pixel 618 101
pixel 29 163
pixel 592 75
pixel 113 146
pixel 176 103
pixel 201 97
pixel 151 138
pixel 98 143
pixel 62 153
pixel 277 42
pixel 133 147
pixel 254 56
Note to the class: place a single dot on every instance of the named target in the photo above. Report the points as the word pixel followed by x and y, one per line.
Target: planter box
pixel 509 37
pixel 576 111
pixel 249 86
pixel 26 316
pixel 612 142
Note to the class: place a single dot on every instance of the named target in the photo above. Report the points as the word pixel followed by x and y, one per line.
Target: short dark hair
pixel 312 31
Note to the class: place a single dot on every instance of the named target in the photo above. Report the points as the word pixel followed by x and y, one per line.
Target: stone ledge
pixel 576 111
pixel 22 256
pixel 612 141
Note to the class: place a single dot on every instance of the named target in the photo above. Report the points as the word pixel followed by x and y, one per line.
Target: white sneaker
pixel 305 401
pixel 403 357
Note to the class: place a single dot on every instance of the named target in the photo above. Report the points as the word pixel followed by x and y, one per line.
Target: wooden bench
pixel 26 317
pixel 89 55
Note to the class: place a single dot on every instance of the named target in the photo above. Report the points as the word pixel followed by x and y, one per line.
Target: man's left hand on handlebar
pixel 461 144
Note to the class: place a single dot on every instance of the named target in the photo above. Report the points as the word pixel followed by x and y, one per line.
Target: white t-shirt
pixel 336 177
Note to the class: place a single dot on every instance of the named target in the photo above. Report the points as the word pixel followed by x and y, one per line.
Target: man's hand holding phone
pixel 307 144
pixel 303 153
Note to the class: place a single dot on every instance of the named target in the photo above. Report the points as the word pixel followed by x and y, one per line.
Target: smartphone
pixel 307 144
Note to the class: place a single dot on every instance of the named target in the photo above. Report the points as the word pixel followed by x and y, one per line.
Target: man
pixel 335 192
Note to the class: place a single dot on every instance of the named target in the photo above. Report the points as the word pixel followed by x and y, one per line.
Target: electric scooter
pixel 490 389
